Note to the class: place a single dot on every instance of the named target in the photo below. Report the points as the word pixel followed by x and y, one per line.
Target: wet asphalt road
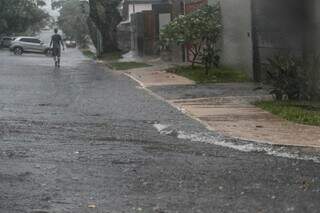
pixel 82 139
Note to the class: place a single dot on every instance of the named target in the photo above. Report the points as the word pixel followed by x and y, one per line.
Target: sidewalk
pixel 226 108
pixel 149 78
pixel 236 117
pixel 154 75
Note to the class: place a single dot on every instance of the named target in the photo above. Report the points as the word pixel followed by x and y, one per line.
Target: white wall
pixel 237 48
pixel 164 19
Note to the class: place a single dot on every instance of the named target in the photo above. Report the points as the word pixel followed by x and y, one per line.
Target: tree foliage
pixel 41 3
pixel 57 4
pixel 73 20
pixel 106 17
pixel 200 30
pixel 18 16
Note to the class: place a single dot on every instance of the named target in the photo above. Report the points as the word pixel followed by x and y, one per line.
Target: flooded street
pixel 83 138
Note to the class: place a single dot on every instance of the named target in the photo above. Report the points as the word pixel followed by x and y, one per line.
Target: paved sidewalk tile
pixel 236 117
pixel 157 78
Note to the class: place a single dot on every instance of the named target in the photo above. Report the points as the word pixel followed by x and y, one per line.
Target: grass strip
pixel 299 112
pixel 88 53
pixel 127 65
pixel 216 75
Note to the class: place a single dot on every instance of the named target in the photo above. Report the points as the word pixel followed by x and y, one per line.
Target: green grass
pixel 88 53
pixel 300 112
pixel 111 56
pixel 127 65
pixel 216 75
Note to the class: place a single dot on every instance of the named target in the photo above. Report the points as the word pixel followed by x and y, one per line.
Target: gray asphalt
pixel 82 139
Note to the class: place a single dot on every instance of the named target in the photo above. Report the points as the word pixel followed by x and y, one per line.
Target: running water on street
pixel 85 135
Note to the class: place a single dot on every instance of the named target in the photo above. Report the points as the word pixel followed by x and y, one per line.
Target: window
pixel 31 40
pixel 24 40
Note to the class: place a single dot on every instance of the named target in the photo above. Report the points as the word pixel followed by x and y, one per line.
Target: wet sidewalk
pixel 153 75
pixel 237 117
pixel 227 108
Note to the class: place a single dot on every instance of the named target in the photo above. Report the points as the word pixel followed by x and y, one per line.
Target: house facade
pixel 143 20
pixel 125 29
pixel 255 30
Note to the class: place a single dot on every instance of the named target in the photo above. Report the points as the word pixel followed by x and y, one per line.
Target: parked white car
pixel 29 45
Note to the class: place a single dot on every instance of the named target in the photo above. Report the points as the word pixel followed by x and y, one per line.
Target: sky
pixel 53 13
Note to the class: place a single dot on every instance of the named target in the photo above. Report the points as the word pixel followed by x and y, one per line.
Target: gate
pixel 149 32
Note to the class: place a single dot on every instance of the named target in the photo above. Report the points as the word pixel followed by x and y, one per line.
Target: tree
pixel 17 16
pixel 201 31
pixel 106 17
pixel 41 3
pixel 57 4
pixel 73 21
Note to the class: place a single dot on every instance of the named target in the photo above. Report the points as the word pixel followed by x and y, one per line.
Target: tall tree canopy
pixel 57 4
pixel 73 20
pixel 17 16
pixel 106 16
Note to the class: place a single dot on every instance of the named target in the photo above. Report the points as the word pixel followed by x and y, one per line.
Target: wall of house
pixel 313 26
pixel 236 41
pixel 136 8
pixel 255 30
pixel 279 27
pixel 164 19
pixel 143 34
pixel 124 36
pixel 163 16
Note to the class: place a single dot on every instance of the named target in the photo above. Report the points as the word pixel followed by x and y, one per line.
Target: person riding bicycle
pixel 56 43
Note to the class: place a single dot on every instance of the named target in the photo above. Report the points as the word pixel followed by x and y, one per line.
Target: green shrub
pixel 293 78
pixel 216 75
pixel 88 53
pixel 200 31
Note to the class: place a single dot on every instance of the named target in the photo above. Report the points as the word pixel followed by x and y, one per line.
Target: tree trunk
pixel 105 15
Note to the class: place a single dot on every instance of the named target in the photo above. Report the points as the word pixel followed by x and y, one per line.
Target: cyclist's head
pixel 56 30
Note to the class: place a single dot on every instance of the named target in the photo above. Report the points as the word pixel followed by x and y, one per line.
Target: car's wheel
pixel 18 51
pixel 48 52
